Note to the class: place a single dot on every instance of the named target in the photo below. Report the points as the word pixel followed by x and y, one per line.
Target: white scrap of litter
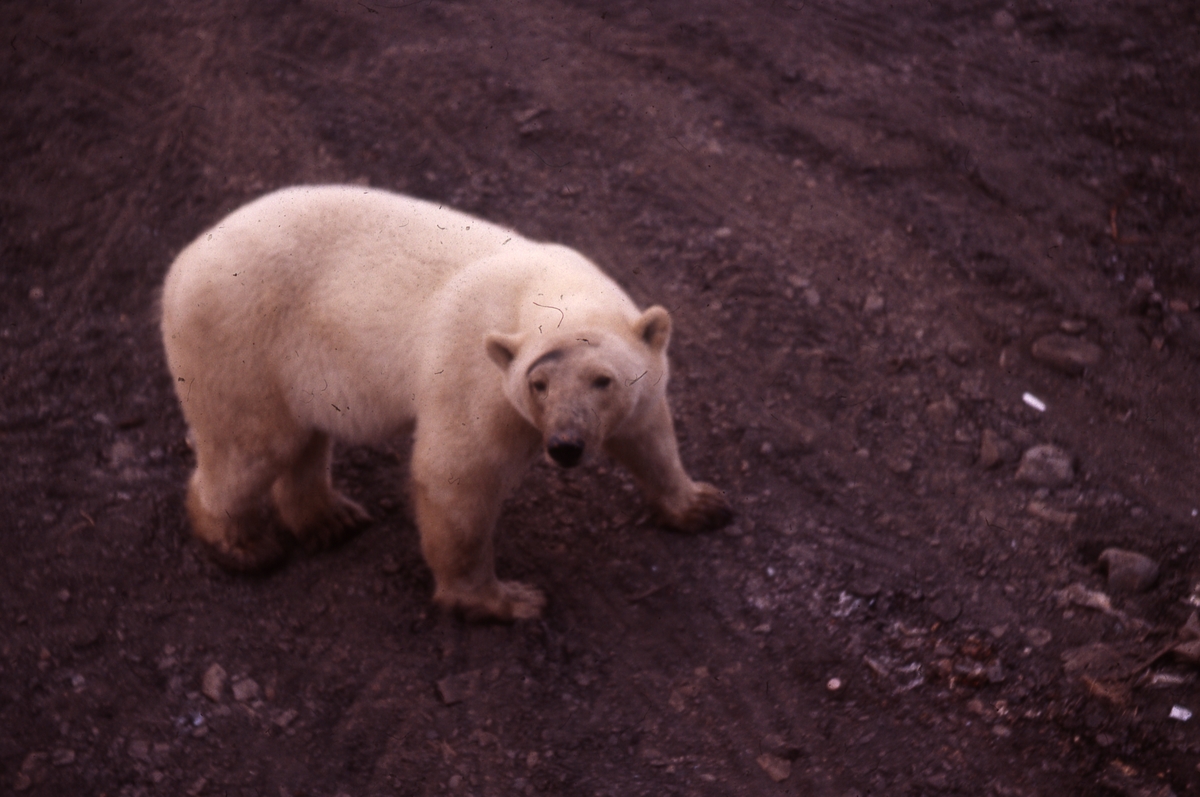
pixel 1180 713
pixel 1034 402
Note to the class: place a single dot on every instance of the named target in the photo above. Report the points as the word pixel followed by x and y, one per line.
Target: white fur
pixel 356 314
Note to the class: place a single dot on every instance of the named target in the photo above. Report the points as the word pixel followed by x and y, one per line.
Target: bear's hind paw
pixel 333 525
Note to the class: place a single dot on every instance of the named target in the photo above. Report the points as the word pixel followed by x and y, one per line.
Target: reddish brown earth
pixel 862 216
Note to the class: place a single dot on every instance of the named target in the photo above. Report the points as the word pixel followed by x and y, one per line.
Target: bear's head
pixel 580 387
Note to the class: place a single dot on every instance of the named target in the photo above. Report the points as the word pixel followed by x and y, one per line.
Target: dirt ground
pixel 865 218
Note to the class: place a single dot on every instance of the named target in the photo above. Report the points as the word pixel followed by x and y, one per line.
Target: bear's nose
pixel 565 449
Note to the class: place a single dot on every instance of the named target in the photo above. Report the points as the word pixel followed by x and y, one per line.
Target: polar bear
pixel 338 312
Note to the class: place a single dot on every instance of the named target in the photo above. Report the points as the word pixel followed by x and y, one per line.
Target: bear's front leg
pixel 456 516
pixel 651 453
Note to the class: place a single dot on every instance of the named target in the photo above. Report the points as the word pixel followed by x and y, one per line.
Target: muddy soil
pixel 866 219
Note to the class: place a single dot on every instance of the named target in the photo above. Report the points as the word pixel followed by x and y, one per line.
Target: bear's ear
pixel 503 348
pixel 654 328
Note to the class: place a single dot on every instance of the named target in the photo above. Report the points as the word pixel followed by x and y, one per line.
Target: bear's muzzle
pixel 566 449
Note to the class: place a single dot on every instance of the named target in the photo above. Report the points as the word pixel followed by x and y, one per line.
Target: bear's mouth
pixel 565 449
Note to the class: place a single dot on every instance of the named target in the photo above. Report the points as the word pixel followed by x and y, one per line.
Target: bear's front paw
pixel 505 601
pixel 707 510
pixel 258 555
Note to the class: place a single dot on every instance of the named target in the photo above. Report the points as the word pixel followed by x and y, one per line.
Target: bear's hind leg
pixel 309 507
pixel 228 514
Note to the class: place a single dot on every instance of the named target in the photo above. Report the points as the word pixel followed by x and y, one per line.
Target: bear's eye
pixel 601 382
pixel 538 387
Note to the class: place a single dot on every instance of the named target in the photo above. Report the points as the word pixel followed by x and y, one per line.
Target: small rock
pixel 946 608
pixel 942 412
pixel 33 770
pixel 527 115
pixel 960 352
pixel 1046 466
pixel 1068 354
pixel 212 685
pixel 1041 510
pixel 780 747
pixel 1129 571
pixel 457 688
pixel 812 296
pixel 139 750
pixel 1038 637
pixel 873 303
pixel 1096 659
pixel 246 690
pixel 122 452
pixel 993 449
pixel 779 769
pixel 1003 21
pixel 287 717
pixel 36 293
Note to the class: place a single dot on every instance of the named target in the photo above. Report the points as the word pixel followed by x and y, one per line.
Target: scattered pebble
pixel 993 449
pixel 1040 510
pixel 246 690
pixel 1097 660
pixel 1180 713
pixel 834 684
pixel 37 294
pixel 1003 21
pixel 1068 354
pixel 212 685
pixel 1078 595
pixel 122 452
pixel 873 303
pixel 1129 571
pixel 33 770
pixel 1072 326
pixel 779 769
pixel 946 608
pixel 62 757
pixel 457 688
pixel 1033 401
pixel 1046 466
pixel 139 750
pixel 1038 637
pixel 1188 649
pixel 960 352
pixel 286 718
